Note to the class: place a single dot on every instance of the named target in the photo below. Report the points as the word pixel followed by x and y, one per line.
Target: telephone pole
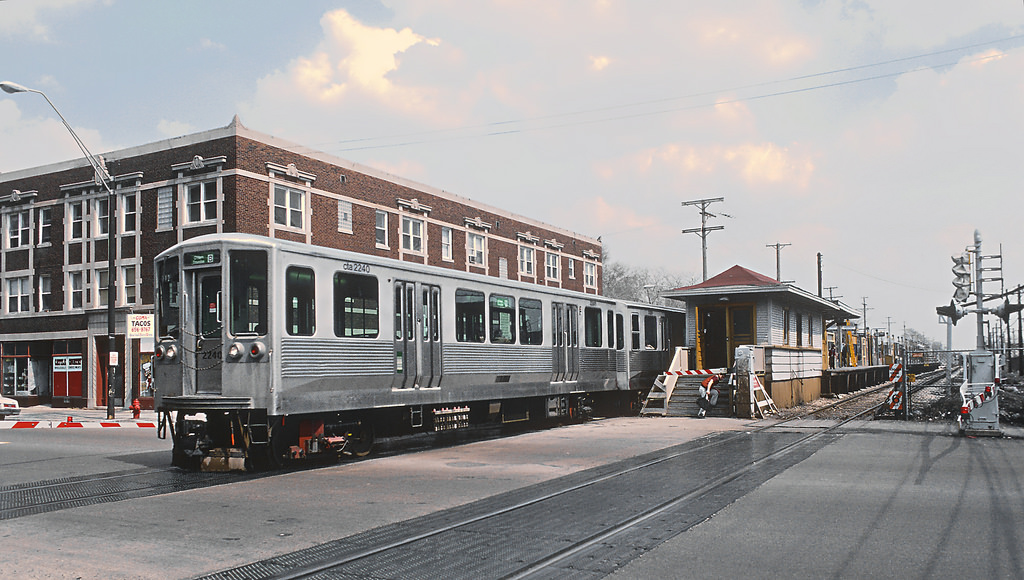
pixel 778 258
pixel 704 228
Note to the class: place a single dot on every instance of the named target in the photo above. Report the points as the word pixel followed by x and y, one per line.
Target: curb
pixel 45 424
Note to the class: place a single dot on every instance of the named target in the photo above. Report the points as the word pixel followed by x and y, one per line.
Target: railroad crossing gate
pixel 895 400
pixel 979 413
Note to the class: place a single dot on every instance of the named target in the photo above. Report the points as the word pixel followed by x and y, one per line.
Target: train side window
pixel 635 325
pixel 650 332
pixel 356 306
pixel 503 316
pixel 620 332
pixel 300 313
pixel 469 316
pixel 248 271
pixel 592 326
pixel 531 325
pixel 168 311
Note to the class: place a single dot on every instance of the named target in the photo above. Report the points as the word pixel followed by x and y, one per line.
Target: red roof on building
pixel 735 276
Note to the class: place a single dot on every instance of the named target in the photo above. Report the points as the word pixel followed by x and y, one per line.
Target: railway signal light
pixel 1005 309
pixel 954 311
pixel 962 277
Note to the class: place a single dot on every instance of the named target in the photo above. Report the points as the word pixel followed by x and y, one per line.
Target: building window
pixel 382 229
pixel 412 235
pixel 45 217
pixel 590 274
pixel 102 216
pixel 130 213
pixel 475 249
pixel 18 229
pixel 19 295
pixel 288 206
pixel 201 202
pixel 75 292
pixel 799 329
pixel 345 216
pixel 128 284
pixel 446 244
pixel 165 208
pixel 526 260
pixel 76 214
pixel 551 266
pixel 785 326
pixel 102 290
pixel 572 269
pixel 44 294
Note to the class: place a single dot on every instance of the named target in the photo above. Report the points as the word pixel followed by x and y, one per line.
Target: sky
pixel 878 133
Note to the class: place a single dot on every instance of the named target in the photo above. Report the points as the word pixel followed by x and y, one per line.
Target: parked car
pixel 8 407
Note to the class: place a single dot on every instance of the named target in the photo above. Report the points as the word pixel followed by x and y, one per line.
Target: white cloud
pixel 29 142
pixel 29 18
pixel 174 128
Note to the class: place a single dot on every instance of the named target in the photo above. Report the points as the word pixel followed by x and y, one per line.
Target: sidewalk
pixel 46 417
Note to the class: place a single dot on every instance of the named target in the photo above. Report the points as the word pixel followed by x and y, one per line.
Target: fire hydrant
pixel 136 409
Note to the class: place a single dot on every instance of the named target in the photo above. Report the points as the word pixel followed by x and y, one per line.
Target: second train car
pixel 271 350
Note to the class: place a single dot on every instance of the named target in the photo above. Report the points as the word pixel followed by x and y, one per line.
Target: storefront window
pixel 15 370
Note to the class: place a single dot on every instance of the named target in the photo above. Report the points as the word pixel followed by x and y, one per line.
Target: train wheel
pixel 360 440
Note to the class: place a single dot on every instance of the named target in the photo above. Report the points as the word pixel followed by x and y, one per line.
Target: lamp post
pixel 102 178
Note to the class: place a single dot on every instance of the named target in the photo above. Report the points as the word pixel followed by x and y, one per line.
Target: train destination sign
pixel 207 258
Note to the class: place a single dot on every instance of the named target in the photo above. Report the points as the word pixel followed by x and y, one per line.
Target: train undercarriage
pixel 212 438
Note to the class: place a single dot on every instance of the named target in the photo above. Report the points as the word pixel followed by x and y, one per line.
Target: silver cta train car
pixel 270 350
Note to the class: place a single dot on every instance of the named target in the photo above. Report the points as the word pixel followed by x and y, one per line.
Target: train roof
pixel 328 252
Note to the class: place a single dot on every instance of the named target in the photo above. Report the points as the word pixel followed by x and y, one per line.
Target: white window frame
pixel 551 269
pixel 446 244
pixel 527 256
pixel 129 216
pixel 590 274
pixel 572 269
pixel 204 205
pixel 101 214
pixel 101 286
pixel 76 287
pixel 19 229
pixel 381 229
pixel 44 226
pixel 476 249
pixel 128 284
pixel 45 294
pixel 74 220
pixel 344 216
pixel 291 210
pixel 19 294
pixel 412 235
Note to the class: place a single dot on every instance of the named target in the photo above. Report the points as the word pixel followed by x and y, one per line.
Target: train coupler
pixel 224 459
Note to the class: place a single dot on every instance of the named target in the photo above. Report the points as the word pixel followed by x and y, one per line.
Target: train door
pixel 406 342
pixel 206 329
pixel 430 309
pixel 565 342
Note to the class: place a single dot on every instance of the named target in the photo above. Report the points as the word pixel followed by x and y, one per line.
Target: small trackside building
pixel 741 307
pixel 54 223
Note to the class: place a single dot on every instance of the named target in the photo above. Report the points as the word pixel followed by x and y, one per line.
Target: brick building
pixel 54 261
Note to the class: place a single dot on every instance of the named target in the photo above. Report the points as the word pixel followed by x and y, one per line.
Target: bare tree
pixel 640 284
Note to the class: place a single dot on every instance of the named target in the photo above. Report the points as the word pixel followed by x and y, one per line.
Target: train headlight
pixel 171 353
pixel 235 351
pixel 257 350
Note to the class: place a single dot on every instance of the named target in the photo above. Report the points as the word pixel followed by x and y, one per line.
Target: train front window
pixel 356 306
pixel 248 271
pixel 300 306
pixel 469 316
pixel 503 316
pixel 168 311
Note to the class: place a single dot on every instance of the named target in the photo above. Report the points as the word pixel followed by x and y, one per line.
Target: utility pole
pixel 866 349
pixel 819 276
pixel 778 258
pixel 704 228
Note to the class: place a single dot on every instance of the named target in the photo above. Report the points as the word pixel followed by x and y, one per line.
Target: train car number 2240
pixel 355 267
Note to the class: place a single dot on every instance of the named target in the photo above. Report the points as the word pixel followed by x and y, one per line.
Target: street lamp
pixel 103 178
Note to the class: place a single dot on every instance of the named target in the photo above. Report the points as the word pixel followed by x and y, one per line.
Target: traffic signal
pixel 954 311
pixel 962 277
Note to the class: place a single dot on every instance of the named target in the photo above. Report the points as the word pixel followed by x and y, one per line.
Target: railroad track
pixel 555 529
